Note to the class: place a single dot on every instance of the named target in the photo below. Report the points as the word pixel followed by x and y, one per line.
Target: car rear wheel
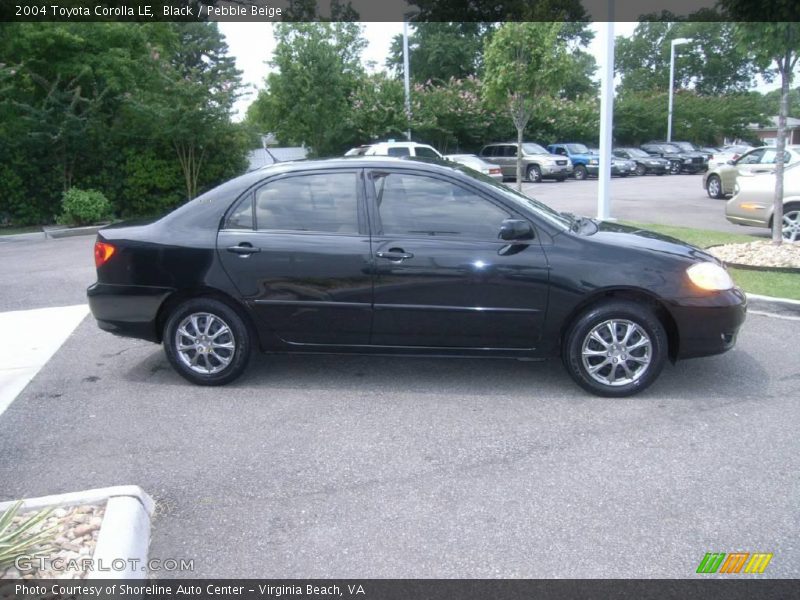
pixel 641 170
pixel 580 173
pixel 207 342
pixel 534 174
pixel 791 222
pixel 615 349
pixel 714 187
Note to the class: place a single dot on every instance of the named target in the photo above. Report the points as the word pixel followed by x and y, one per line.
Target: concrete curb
pixel 63 232
pixel 124 538
pixel 52 232
pixel 778 306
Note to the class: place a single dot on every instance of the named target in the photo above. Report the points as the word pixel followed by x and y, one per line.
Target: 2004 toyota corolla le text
pixel 392 256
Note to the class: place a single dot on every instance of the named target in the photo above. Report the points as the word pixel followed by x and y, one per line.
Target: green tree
pixel 377 109
pixel 525 62
pixel 307 100
pixel 714 63
pixel 640 116
pixel 438 52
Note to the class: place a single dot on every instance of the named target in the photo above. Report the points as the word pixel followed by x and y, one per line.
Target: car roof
pixel 405 144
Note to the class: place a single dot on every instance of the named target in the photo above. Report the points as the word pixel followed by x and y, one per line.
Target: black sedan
pixel 393 256
pixel 644 162
pixel 680 161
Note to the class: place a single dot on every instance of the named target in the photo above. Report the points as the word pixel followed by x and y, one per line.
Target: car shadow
pixel 733 375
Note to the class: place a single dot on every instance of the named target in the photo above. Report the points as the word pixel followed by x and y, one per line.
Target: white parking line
pixel 29 339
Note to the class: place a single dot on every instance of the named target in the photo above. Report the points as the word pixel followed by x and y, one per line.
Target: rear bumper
pixel 709 325
pixel 127 310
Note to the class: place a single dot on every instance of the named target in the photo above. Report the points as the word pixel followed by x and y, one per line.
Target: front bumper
pixel 709 324
pixel 556 170
pixel 127 310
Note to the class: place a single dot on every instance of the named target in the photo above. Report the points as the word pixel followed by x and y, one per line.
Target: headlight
pixel 709 276
pixel 687 160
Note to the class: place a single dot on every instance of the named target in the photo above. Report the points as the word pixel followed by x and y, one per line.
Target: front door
pixel 298 251
pixel 443 278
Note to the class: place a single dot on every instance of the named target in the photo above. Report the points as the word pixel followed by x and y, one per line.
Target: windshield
pixel 685 146
pixel 577 149
pixel 670 148
pixel 637 152
pixel 541 210
pixel 529 148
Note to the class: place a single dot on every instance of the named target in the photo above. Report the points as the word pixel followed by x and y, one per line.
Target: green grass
pixel 766 283
pixel 15 230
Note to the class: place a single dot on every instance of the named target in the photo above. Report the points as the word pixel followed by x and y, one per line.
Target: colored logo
pixel 735 562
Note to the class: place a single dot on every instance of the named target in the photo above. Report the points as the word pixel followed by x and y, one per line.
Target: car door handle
pixel 396 254
pixel 243 249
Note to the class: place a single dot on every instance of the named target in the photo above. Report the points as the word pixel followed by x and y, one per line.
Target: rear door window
pixel 325 202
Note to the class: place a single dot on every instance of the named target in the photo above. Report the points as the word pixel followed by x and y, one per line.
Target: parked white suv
pixel 392 148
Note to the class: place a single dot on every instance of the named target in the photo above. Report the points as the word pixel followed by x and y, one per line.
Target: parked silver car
pixel 476 162
pixel 753 202
pixel 537 163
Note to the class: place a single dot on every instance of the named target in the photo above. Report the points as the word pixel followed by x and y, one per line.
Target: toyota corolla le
pixel 391 256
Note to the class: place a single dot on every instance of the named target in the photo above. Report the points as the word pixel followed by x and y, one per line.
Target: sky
pixel 252 45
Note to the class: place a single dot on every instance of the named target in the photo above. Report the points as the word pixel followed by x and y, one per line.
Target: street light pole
pixel 406 78
pixel 675 42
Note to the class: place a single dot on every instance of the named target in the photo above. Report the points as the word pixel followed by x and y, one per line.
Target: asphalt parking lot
pixel 667 199
pixel 327 466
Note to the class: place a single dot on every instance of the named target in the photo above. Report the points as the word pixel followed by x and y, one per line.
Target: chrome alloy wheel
pixel 791 226
pixel 204 343
pixel 616 352
pixel 714 187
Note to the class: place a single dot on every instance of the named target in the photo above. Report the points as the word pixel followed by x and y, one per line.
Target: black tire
pixel 534 174
pixel 581 173
pixel 714 187
pixel 674 168
pixel 223 315
pixel 622 312
pixel 641 170
pixel 793 211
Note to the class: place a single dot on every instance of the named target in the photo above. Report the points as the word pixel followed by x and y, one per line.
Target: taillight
pixel 102 252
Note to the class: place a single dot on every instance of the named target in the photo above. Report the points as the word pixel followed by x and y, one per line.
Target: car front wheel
pixel 714 187
pixel 207 342
pixel 615 349
pixel 674 168
pixel 580 173
pixel 641 170
pixel 534 174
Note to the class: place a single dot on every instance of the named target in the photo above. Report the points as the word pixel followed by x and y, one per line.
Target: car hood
pixel 643 239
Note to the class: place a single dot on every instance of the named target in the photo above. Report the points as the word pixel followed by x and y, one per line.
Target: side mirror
pixel 515 229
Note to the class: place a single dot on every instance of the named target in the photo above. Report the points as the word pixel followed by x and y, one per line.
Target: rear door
pixel 298 251
pixel 443 279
